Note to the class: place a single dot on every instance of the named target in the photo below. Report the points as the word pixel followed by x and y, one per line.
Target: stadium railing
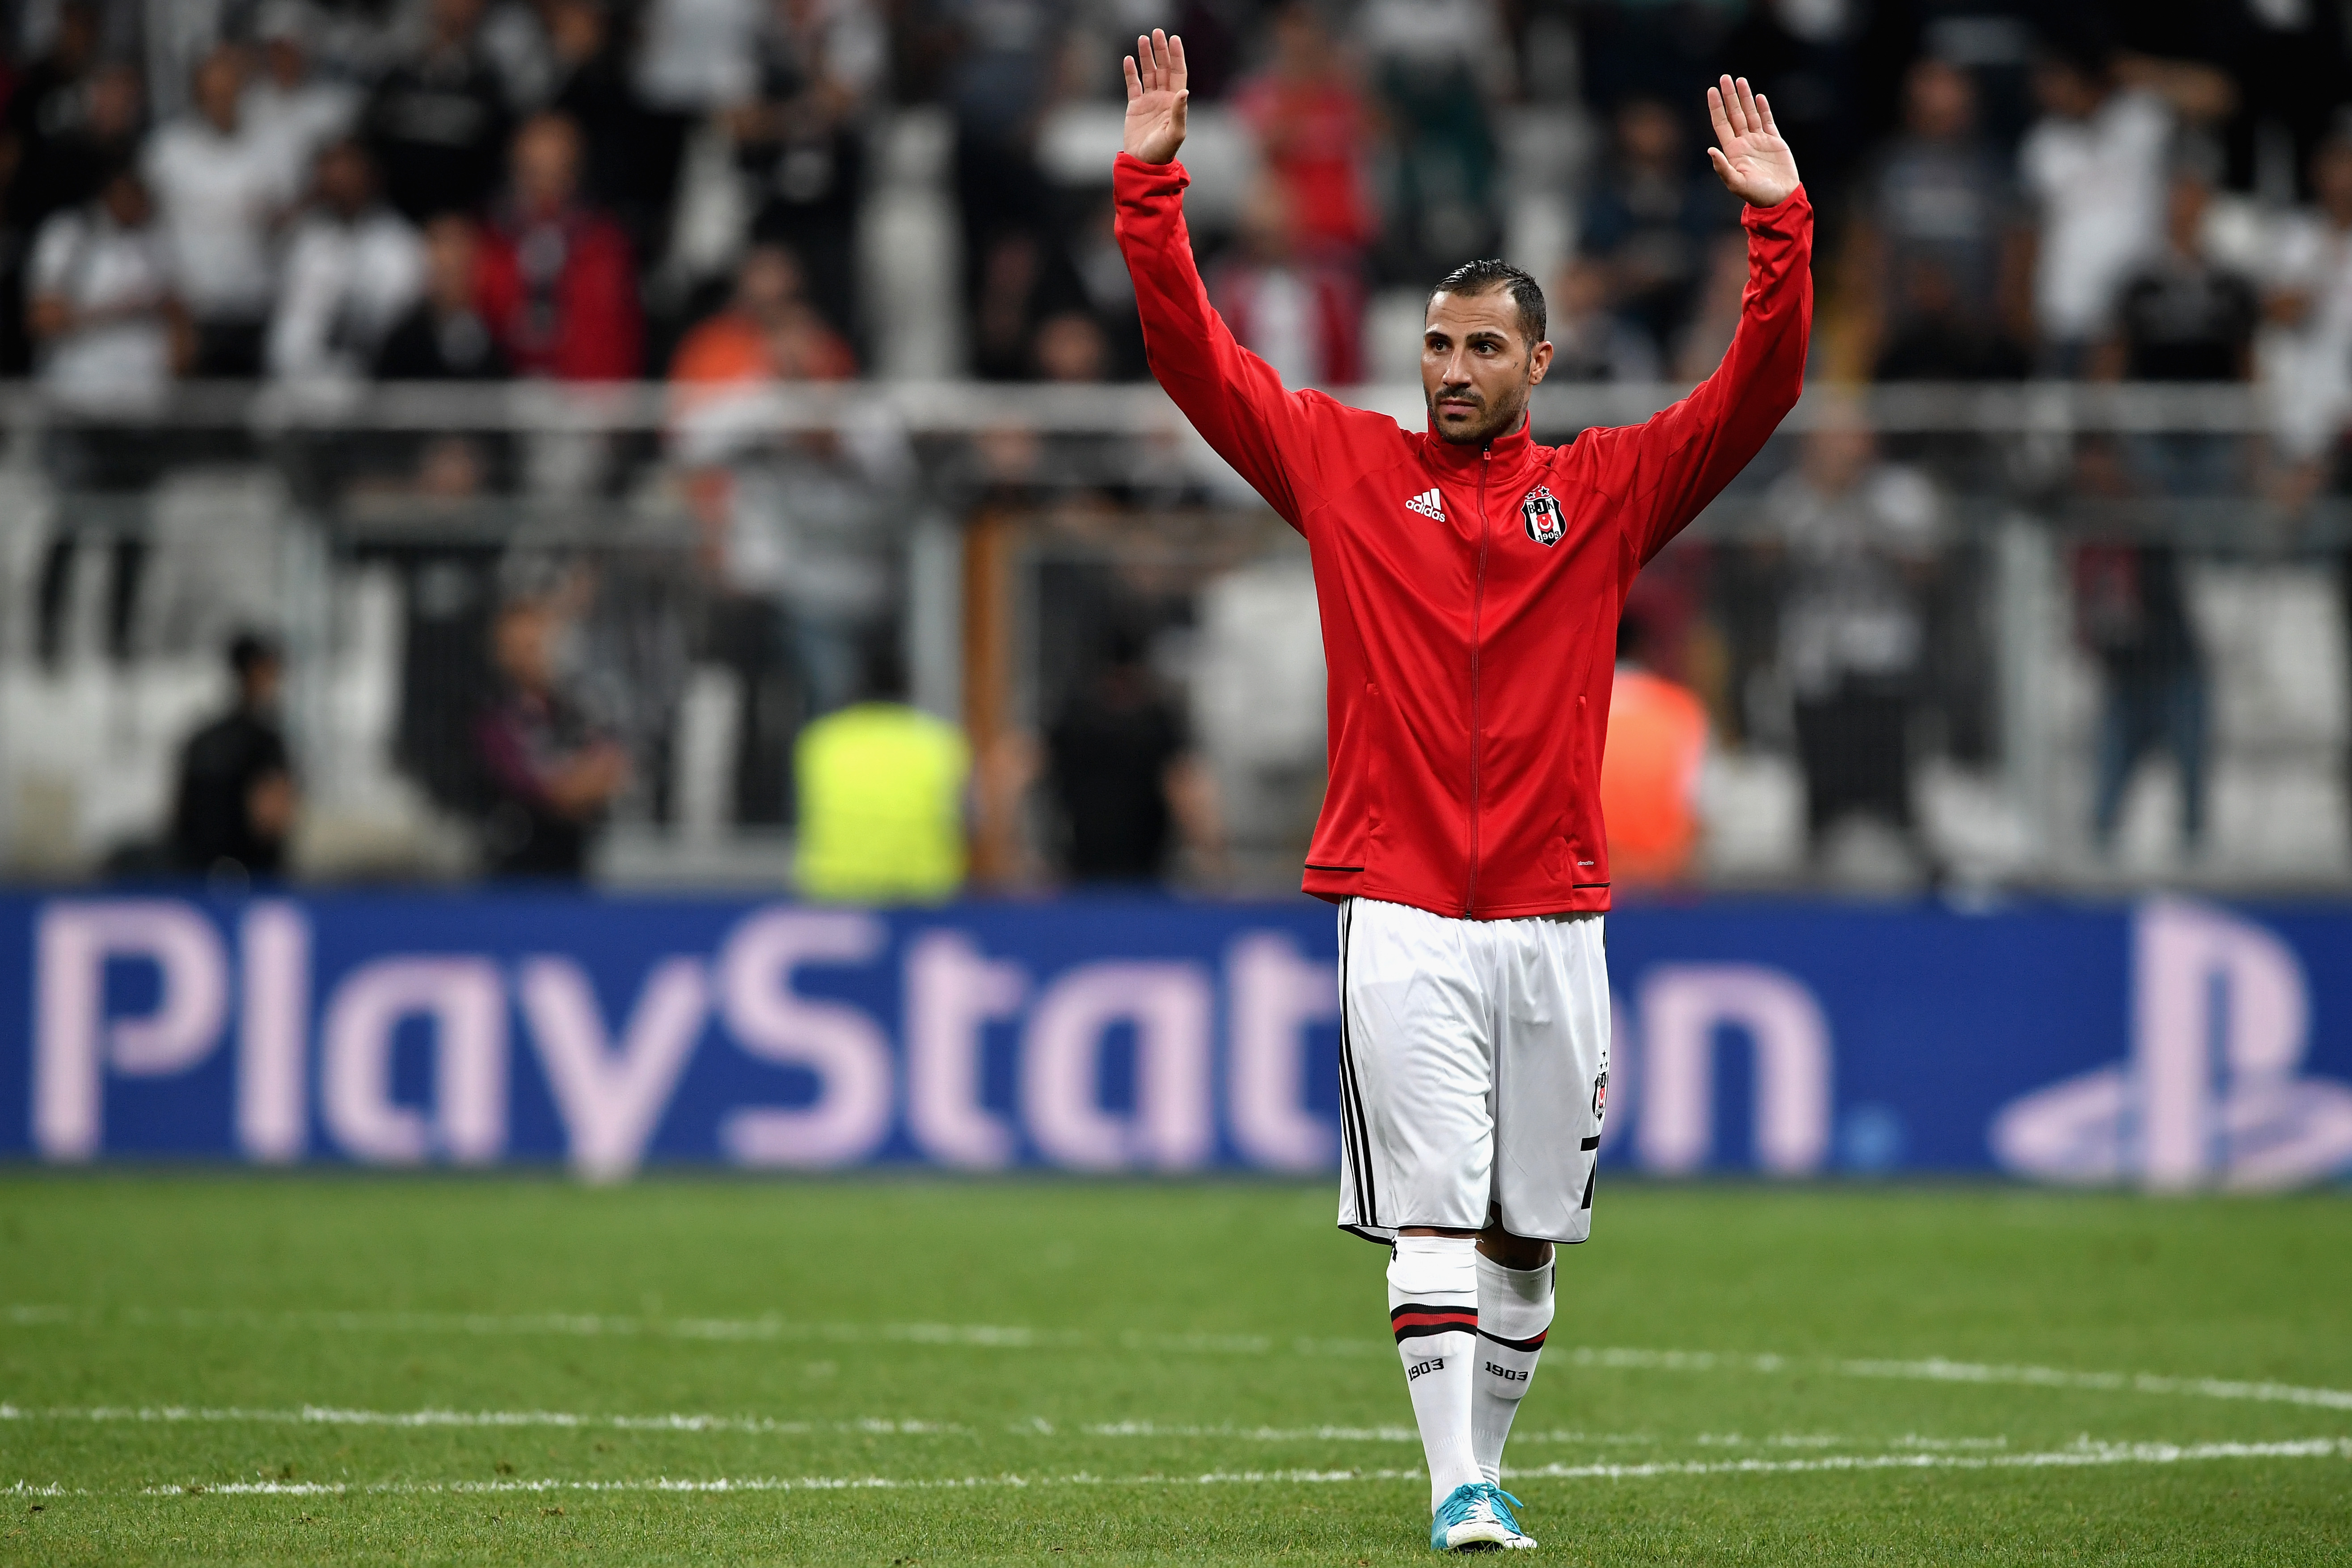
pixel 2056 575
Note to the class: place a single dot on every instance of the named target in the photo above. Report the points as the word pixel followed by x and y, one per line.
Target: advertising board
pixel 2171 1044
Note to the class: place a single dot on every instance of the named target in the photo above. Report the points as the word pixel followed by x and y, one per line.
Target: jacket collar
pixel 1504 454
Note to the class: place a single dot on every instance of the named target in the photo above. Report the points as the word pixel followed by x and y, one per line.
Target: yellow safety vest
pixel 881 806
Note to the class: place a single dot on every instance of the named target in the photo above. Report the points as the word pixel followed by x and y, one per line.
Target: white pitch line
pixel 582 1325
pixel 600 1325
pixel 336 1416
pixel 1400 1435
pixel 593 1325
pixel 1256 1434
pixel 2079 1455
pixel 1936 1369
pixel 999 1336
pixel 698 1423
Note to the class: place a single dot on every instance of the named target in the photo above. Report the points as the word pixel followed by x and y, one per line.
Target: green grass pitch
pixel 243 1369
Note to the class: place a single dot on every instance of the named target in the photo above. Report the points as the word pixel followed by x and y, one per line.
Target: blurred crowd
pixel 320 193
pixel 570 188
pixel 452 189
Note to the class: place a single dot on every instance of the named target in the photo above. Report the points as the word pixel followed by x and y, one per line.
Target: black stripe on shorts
pixel 1351 1091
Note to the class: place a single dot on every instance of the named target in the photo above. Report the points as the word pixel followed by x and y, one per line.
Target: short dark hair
pixel 1486 275
pixel 118 165
pixel 249 649
pixel 2081 45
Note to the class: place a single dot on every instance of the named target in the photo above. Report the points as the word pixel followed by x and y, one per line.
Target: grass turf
pixel 1086 1355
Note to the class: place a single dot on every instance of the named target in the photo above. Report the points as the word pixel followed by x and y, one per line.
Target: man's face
pixel 454 19
pixel 523 644
pixel 1649 135
pixel 767 284
pixel 1837 457
pixel 576 29
pixel 2331 180
pixel 264 678
pixel 127 201
pixel 1070 348
pixel 1475 369
pixel 219 82
pixel 2065 91
pixel 115 95
pixel 77 35
pixel 1298 47
pixel 346 182
pixel 546 163
pixel 282 58
pixel 449 263
pixel 1943 102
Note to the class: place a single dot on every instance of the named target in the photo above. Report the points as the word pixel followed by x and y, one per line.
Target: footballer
pixel 1469 581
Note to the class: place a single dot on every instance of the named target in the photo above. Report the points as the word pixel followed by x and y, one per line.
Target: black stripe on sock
pixel 1535 1343
pixel 1416 1319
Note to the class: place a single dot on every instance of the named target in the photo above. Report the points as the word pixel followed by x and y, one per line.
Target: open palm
pixel 1748 156
pixel 1156 98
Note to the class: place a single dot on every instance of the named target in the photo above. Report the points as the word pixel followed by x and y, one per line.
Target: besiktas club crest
pixel 1546 525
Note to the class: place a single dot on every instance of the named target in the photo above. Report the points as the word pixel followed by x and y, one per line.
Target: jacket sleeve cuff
pixel 1131 174
pixel 1779 218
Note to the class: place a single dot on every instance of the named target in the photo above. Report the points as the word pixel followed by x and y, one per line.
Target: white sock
pixel 1513 1315
pixel 1434 1308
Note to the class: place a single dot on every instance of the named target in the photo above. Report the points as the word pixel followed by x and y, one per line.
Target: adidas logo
pixel 1428 505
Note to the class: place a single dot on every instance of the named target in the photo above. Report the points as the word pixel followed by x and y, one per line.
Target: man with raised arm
pixel 1470 583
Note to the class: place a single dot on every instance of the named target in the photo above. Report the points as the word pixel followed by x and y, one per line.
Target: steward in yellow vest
pixel 881 788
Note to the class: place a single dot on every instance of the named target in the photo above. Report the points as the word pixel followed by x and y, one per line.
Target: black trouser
pixel 749 635
pixel 1855 746
pixel 122 595
pixel 102 474
pixel 229 348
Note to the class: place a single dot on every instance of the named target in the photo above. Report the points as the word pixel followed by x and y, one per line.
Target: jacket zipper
pixel 1477 617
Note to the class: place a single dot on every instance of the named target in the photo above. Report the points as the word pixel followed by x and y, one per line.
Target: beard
pixel 1484 421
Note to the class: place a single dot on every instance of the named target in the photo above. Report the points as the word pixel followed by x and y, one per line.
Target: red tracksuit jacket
pixel 1469 595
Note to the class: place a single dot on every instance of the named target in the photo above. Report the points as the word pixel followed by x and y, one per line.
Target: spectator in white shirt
pixel 353 268
pixel 108 336
pixel 2306 353
pixel 2095 166
pixel 106 324
pixel 220 186
pixel 285 103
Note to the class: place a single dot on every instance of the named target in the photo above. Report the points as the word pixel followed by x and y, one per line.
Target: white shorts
pixel 1474 1071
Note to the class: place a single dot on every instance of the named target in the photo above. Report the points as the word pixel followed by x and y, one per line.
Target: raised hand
pixel 1748 156
pixel 1156 98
